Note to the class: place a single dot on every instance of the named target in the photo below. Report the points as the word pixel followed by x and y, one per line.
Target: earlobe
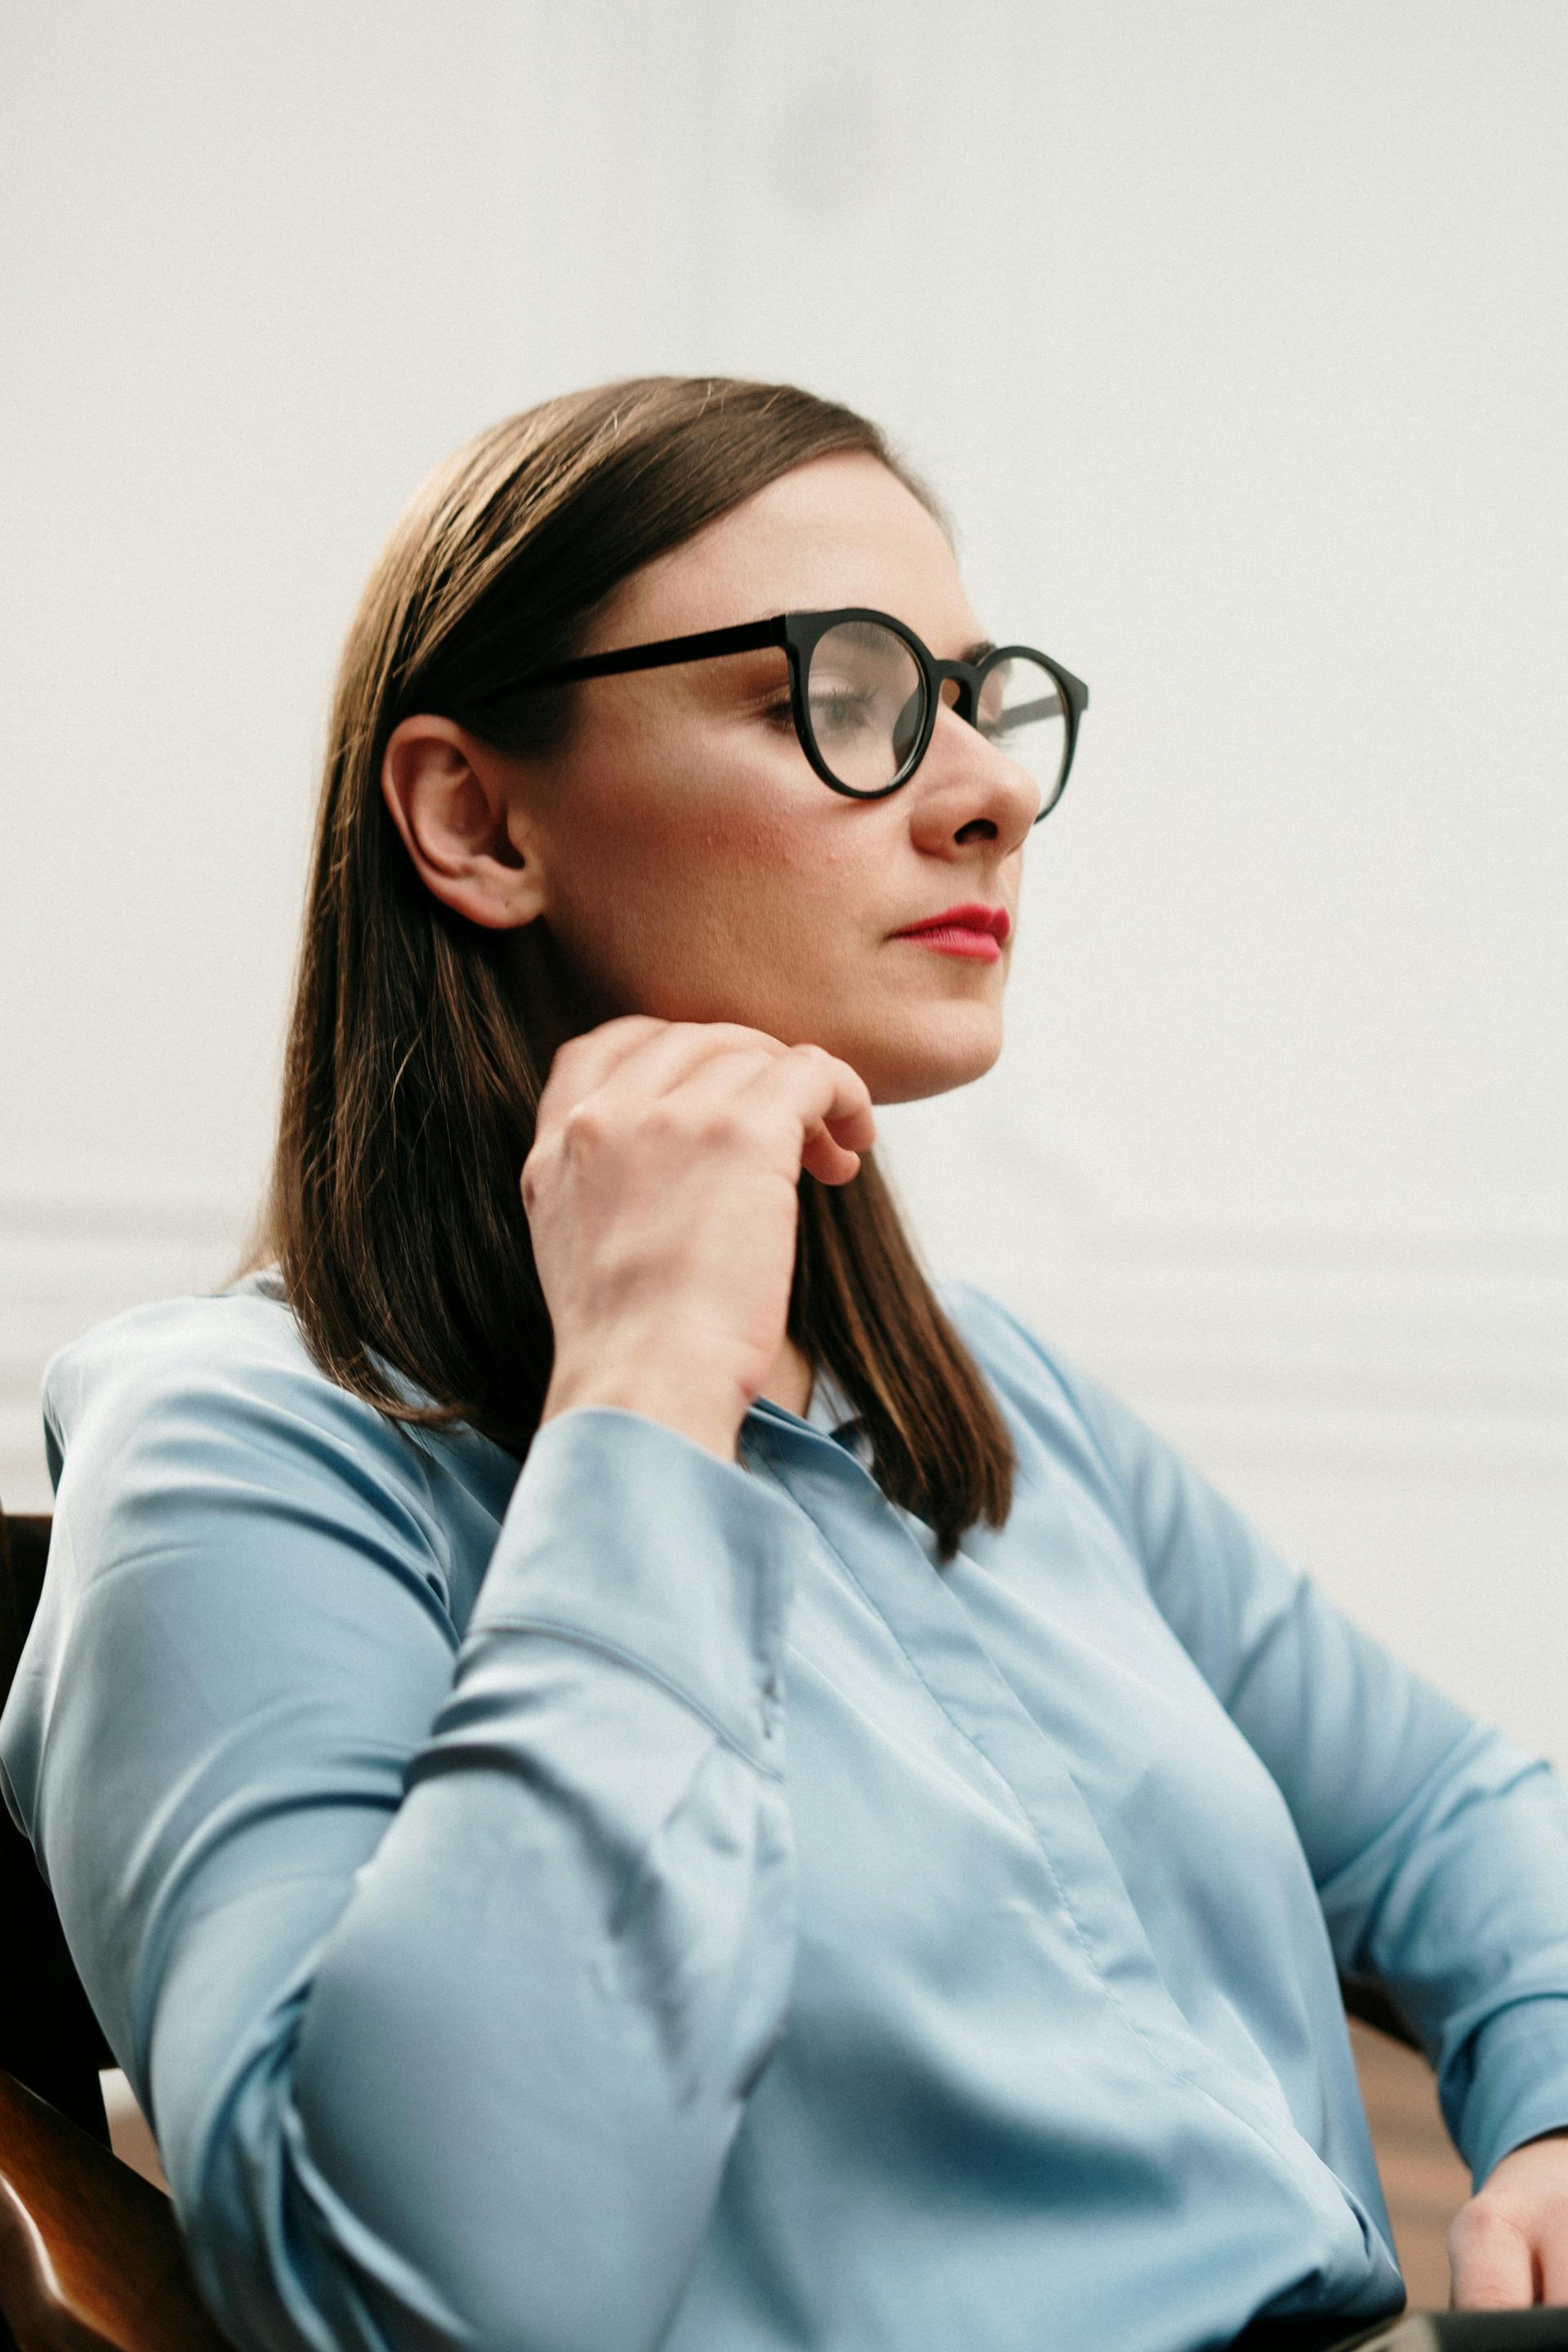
pixel 447 796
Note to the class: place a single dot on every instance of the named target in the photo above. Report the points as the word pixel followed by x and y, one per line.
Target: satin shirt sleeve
pixel 1437 1845
pixel 439 1885
pixel 441 1964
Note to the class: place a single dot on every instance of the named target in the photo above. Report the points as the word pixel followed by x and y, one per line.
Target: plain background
pixel 1232 332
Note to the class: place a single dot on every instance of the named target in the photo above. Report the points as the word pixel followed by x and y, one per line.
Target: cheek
pixel 687 817
pixel 695 870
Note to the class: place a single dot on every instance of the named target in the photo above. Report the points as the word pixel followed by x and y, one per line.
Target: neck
pixel 790 1381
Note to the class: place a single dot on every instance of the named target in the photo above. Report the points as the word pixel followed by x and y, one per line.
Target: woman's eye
pixel 835 712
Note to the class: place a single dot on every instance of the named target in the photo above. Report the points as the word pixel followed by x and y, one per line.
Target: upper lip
pixel 970 915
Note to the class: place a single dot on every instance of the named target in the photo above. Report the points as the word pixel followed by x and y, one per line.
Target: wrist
pixel 656 1390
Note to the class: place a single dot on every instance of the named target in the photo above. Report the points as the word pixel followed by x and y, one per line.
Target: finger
pixel 584 1062
pixel 1490 2260
pixel 656 1064
pixel 833 1104
pixel 848 1114
pixel 669 1054
pixel 637 1054
pixel 1551 2257
pixel 728 1075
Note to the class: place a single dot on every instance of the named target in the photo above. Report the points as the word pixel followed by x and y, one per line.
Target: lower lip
pixel 981 945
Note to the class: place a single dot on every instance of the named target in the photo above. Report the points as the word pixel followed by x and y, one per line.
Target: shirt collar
pixel 828 1413
pixel 831 1410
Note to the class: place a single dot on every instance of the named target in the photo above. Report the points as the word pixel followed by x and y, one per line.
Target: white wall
pixel 1234 334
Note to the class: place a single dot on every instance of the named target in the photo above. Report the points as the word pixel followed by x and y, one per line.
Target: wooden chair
pixel 91 2258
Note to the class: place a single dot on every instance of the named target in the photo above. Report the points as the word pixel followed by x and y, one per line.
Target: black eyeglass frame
pixel 799 633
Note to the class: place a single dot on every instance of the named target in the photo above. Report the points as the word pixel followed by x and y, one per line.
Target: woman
pixel 850 1843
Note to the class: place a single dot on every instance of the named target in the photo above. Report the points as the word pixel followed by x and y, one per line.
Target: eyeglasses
pixel 865 692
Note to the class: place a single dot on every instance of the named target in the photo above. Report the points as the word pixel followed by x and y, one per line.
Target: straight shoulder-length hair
pixel 417 1050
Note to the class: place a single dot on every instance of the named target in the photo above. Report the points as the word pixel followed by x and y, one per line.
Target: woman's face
pixel 683 859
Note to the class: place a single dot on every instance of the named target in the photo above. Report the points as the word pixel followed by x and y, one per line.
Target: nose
pixel 969 783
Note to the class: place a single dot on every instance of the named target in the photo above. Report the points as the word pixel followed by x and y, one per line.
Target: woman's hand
pixel 662 1199
pixel 1509 2246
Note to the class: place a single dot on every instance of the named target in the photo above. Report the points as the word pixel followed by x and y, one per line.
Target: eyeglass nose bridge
pixel 800 633
pixel 934 675
pixel 965 677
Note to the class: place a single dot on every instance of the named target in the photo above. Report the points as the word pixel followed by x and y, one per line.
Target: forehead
pixel 838 531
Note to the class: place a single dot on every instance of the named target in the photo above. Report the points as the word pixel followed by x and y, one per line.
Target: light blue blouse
pixel 642 1901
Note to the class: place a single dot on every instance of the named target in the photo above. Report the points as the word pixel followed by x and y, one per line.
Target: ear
pixel 453 800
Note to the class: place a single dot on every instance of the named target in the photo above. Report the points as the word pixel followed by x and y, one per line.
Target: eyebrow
pixel 978 650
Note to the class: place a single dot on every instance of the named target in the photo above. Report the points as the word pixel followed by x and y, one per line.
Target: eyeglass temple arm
pixel 1046 707
pixel 1073 699
pixel 744 638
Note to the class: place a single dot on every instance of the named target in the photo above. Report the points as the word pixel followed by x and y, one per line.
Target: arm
pixel 442 1967
pixel 1439 1849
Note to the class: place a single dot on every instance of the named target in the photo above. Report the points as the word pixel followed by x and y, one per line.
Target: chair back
pixel 49 2038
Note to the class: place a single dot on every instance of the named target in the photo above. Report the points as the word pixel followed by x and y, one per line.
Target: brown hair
pixel 415 1062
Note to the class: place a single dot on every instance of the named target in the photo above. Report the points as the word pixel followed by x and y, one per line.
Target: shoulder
pixel 1028 1369
pixel 996 1331
pixel 221 1349
pixel 1054 1404
pixel 218 1398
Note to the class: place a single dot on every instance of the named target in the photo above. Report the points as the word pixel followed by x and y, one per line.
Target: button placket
pixel 929 1621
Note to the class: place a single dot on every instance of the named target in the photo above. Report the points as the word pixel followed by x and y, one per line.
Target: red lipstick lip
pixel 970 917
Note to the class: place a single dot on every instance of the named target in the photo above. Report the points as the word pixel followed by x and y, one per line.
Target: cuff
pixel 1519 2081
pixel 627 1533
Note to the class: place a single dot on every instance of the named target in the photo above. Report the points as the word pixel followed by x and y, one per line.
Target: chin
pixel 947 1054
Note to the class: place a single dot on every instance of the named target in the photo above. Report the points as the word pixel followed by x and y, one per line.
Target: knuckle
pixel 581 1051
pixel 739 1127
pixel 832 1065
pixel 566 1059
pixel 754 1058
pixel 587 1122
pixel 1481 2226
pixel 535 1173
pixel 743 1033
pixel 664 1118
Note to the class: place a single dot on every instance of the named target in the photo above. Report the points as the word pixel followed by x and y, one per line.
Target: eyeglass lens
pixel 1023 712
pixel 867 698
